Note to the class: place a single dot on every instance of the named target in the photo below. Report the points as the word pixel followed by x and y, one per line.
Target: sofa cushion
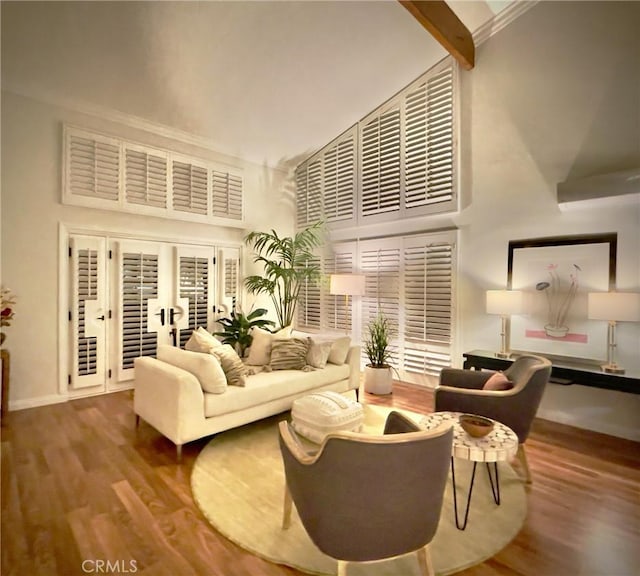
pixel 201 341
pixel 260 349
pixel 204 367
pixel 234 369
pixel 318 353
pixel 289 353
pixel 339 350
pixel 267 386
pixel 498 381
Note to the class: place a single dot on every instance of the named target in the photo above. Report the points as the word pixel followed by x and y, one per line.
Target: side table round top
pixel 499 445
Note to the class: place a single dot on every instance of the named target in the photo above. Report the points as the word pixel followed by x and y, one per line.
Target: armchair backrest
pixel 364 497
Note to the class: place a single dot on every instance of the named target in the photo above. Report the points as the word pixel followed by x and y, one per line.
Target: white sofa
pixel 172 399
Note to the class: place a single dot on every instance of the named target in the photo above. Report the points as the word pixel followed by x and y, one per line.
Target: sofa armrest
pixel 353 360
pixel 167 397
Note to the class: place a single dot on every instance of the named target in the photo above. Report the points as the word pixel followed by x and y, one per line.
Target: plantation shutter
pixel 190 188
pixel 308 303
pixel 340 178
pixel 315 184
pixel 88 312
pixel 339 311
pixel 195 290
pixel 145 177
pixel 302 195
pixel 226 194
pixel 380 263
pixel 428 294
pixel 229 273
pixel 380 163
pixel 141 301
pixel 429 141
pixel 92 164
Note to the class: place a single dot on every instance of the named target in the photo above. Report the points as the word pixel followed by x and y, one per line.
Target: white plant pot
pixel 378 380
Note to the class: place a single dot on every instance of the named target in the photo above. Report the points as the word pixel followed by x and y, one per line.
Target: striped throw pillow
pixel 233 368
pixel 289 354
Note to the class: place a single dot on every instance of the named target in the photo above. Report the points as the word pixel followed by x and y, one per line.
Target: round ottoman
pixel 318 414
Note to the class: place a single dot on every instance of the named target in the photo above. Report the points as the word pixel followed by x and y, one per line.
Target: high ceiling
pixel 264 81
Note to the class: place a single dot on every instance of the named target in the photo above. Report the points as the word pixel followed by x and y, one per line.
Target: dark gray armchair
pixel 461 391
pixel 363 497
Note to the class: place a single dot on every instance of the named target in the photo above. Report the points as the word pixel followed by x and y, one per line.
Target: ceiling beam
pixel 443 24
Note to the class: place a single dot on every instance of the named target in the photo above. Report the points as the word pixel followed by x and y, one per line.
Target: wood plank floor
pixel 79 485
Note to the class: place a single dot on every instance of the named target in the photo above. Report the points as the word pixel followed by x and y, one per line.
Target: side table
pixel 6 364
pixel 499 445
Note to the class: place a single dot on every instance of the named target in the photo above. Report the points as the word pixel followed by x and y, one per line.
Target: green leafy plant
pixel 288 262
pixel 376 345
pixel 237 328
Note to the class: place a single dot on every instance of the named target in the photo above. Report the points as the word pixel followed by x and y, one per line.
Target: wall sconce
pixel 504 303
pixel 613 307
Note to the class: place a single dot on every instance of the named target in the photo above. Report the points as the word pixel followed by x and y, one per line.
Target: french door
pixel 128 296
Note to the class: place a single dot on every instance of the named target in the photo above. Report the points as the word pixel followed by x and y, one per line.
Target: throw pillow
pixel 201 341
pixel 498 381
pixel 289 354
pixel 318 353
pixel 260 350
pixel 234 369
pixel 339 350
pixel 204 367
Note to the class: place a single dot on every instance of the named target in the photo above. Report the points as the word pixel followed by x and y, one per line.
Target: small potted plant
pixel 237 329
pixel 378 377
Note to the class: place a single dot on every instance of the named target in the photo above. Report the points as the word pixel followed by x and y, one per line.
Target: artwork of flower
pixel 560 295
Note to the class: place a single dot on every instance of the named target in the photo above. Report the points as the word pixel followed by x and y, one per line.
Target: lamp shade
pixel 505 302
pixel 347 284
pixel 618 306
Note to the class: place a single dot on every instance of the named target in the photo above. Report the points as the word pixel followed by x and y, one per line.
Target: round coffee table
pixel 500 445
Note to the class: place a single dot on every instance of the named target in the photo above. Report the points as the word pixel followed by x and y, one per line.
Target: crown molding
pixel 504 18
pixel 136 122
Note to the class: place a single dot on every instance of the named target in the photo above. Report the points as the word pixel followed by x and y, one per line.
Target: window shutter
pixel 92 166
pixel 308 302
pixel 88 314
pixel 428 295
pixel 339 312
pixel 339 178
pixel 195 285
pixel 380 172
pixel 302 195
pixel 226 194
pixel 315 185
pixel 139 299
pixel 229 275
pixel 190 188
pixel 145 178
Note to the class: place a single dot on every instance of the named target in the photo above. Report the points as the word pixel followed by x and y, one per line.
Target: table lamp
pixel 613 307
pixel 504 303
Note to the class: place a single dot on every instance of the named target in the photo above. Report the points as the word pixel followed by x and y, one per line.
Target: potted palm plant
pixel 288 263
pixel 378 377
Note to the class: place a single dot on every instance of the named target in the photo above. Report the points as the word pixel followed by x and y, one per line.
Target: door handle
pixel 100 317
pixel 161 314
pixel 171 316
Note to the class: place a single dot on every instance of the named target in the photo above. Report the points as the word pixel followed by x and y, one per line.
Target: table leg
pixel 455 497
pixel 495 490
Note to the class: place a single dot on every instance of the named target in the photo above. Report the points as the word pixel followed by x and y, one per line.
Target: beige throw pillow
pixel 260 350
pixel 339 350
pixel 289 354
pixel 318 353
pixel 234 369
pixel 204 367
pixel 201 341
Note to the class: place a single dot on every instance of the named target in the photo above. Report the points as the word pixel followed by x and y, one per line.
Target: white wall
pixel 554 95
pixel 32 212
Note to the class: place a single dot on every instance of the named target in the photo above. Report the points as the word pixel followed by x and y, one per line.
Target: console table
pixel 562 372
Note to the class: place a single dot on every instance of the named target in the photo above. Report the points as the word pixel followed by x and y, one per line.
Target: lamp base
pixel 612 369
pixel 503 354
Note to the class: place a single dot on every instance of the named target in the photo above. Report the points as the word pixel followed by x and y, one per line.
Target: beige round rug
pixel 238 483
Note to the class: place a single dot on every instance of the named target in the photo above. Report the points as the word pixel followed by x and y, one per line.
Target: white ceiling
pixel 264 81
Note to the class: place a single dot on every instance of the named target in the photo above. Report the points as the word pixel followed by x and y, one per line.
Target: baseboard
pixel 36 402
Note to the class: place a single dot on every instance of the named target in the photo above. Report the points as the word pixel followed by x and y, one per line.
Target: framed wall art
pixel 556 274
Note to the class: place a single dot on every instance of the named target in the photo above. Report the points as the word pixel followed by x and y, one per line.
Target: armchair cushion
pixel 498 381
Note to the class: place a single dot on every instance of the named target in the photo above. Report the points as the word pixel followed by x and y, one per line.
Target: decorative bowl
pixel 475 426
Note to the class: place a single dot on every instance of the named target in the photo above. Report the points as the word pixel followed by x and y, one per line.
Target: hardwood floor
pixel 80 487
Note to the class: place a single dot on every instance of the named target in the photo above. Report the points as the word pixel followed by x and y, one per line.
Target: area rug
pixel 238 483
